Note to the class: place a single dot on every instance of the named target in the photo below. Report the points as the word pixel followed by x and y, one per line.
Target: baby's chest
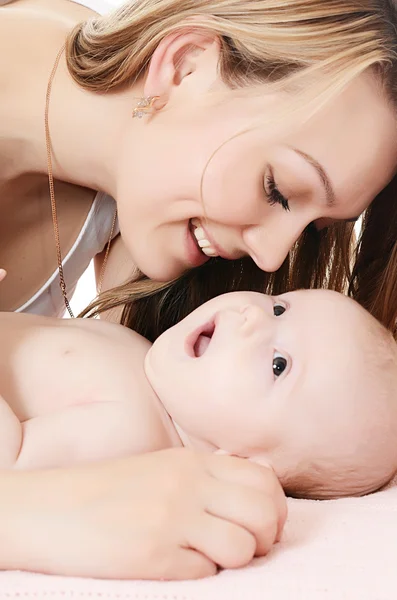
pixel 57 377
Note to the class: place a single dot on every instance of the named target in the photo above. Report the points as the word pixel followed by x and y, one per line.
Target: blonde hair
pixel 312 47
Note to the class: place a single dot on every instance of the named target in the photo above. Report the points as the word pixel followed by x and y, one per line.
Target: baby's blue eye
pixel 278 310
pixel 279 364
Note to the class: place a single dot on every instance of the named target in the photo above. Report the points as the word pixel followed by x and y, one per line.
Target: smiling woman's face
pixel 260 189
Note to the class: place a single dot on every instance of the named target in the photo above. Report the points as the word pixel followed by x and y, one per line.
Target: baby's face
pixel 264 377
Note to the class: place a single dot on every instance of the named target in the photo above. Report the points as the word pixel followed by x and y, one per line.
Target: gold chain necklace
pixel 62 283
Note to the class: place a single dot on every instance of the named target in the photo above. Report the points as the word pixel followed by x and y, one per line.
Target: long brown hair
pixel 289 43
pixel 151 308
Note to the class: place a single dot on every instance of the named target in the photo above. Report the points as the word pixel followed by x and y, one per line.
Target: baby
pixel 305 383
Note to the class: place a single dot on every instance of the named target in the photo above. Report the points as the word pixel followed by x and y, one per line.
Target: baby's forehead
pixel 327 308
pixel 336 337
pixel 321 296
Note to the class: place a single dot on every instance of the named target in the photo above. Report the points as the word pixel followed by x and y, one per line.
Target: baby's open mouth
pixel 198 342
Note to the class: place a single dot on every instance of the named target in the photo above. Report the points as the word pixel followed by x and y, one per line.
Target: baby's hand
pixel 174 514
pixel 3 273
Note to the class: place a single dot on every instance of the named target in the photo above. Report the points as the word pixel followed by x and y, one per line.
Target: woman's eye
pixel 273 194
pixel 278 310
pixel 279 364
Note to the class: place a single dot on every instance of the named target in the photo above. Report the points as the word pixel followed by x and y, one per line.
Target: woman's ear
pixel 178 56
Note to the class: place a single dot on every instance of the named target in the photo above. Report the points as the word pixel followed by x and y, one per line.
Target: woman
pixel 230 133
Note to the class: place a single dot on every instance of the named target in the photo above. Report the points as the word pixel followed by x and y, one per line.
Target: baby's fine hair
pixel 374 464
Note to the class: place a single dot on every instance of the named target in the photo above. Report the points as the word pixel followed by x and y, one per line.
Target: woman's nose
pixel 269 246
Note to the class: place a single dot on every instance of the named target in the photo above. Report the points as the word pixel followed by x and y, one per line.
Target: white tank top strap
pixel 92 239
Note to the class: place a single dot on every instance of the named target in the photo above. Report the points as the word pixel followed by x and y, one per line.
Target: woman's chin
pixel 161 271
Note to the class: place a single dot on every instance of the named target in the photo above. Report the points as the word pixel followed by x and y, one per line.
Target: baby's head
pixel 305 382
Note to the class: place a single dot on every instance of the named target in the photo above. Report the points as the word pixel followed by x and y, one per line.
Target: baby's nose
pixel 257 318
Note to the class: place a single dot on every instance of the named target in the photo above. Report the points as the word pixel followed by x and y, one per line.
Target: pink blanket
pixel 339 550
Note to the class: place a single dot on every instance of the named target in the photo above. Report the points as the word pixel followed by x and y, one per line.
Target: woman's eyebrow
pixel 329 190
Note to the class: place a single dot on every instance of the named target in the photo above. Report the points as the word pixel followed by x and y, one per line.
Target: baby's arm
pixel 82 433
pixel 75 434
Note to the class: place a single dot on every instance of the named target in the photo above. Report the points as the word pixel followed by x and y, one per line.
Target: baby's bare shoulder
pixel 75 336
pixel 95 360
pixel 112 332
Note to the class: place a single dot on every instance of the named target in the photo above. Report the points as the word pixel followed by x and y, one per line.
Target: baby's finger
pixel 3 273
pixel 189 564
pixel 246 507
pixel 224 543
pixel 244 472
pixel 232 469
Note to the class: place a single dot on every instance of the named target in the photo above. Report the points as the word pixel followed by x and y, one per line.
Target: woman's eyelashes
pixel 274 196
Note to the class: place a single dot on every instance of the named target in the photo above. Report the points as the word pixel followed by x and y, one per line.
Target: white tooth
pixel 202 241
pixel 199 233
pixel 209 251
